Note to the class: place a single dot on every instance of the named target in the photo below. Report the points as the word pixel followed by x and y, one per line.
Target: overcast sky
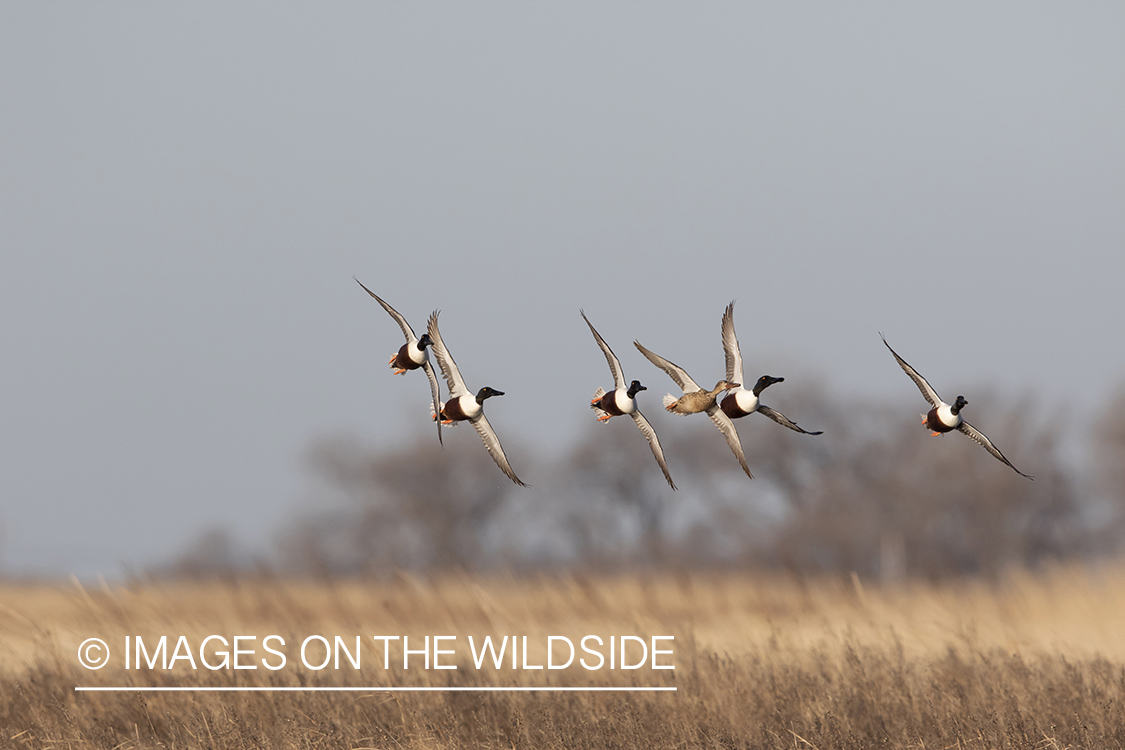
pixel 186 190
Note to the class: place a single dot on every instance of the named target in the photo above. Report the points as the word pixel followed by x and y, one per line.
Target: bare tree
pixel 894 497
pixel 418 506
pixel 612 467
pixel 1109 466
pixel 874 495
pixel 213 554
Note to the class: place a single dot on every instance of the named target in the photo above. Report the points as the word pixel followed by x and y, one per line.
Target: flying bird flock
pixel 729 400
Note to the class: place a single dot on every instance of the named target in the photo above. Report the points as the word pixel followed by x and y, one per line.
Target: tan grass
pixel 761 660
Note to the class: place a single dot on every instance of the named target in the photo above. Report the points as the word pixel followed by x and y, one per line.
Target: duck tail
pixel 434 416
pixel 598 394
pixel 670 403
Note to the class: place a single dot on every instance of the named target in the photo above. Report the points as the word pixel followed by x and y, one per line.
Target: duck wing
pixel 492 443
pixel 726 426
pixel 674 371
pixel 448 367
pixel 927 390
pixel 406 329
pixel 781 419
pixel 610 357
pixel 653 443
pixel 981 438
pixel 730 347
pixel 409 333
pixel 435 390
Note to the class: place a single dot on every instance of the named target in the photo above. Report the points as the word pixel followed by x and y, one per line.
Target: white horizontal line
pixel 370 689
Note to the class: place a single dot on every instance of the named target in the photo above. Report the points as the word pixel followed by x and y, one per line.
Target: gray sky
pixel 186 190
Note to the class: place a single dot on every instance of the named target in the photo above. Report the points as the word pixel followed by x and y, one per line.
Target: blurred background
pixel 192 383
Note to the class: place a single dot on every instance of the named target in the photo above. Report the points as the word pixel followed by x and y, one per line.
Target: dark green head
pixel 765 382
pixel 425 341
pixel 634 388
pixel 959 404
pixel 487 392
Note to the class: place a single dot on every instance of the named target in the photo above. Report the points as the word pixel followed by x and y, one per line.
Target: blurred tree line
pixel 875 495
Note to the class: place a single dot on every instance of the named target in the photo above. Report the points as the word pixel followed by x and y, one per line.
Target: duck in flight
pixel 412 354
pixel 740 402
pixel 943 417
pixel 695 399
pixel 465 406
pixel 622 400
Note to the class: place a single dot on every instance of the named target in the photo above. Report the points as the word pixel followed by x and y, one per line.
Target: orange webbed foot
pixel 604 417
pixel 935 434
pixel 400 371
pixel 447 421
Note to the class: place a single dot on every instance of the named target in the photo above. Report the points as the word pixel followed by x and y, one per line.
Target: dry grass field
pixel 1033 661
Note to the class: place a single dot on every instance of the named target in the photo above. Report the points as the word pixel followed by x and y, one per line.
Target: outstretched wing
pixel 674 371
pixel 781 419
pixel 445 361
pixel 653 443
pixel 730 347
pixel 981 438
pixel 722 421
pixel 610 357
pixel 926 389
pixel 435 390
pixel 492 443
pixel 406 329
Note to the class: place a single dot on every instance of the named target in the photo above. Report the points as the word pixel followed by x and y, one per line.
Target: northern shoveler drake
pixel 412 354
pixel 695 399
pixel 622 400
pixel 463 405
pixel 740 402
pixel 943 417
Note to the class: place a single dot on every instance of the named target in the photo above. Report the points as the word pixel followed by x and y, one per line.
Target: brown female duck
pixel 695 399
